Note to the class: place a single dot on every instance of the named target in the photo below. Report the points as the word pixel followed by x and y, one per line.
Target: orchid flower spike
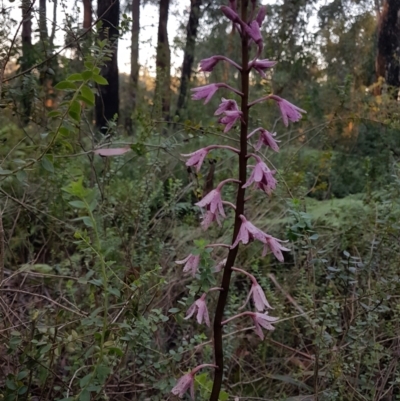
pixel 191 263
pixel 262 176
pixel 186 382
pixel 202 312
pixel 289 111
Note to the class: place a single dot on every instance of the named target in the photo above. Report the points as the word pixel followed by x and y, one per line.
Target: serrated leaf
pixel 65 85
pixel 99 79
pixel 75 77
pixel 47 164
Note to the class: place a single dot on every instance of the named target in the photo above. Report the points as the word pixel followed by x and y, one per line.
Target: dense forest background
pixel 92 304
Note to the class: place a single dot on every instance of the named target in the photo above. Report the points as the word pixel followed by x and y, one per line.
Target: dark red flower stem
pixel 240 200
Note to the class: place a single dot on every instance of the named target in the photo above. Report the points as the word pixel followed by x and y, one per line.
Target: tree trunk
pixel 162 94
pixel 87 14
pixel 188 57
pixel 26 60
pixel 387 61
pixel 42 21
pixel 134 77
pixel 107 103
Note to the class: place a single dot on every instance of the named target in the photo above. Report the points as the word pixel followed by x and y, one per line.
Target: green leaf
pixel 65 85
pixel 87 75
pixel 87 221
pixel 22 176
pixel 223 396
pixel 75 77
pixel 78 204
pixel 75 110
pixel 87 94
pixel 139 149
pixel 89 65
pixel 53 114
pixel 99 79
pixel 47 164
pixel 22 375
pixel 85 380
pixel 84 396
pixel 173 310
pixel 22 390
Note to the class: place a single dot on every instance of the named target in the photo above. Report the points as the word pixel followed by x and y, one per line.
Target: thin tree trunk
pixel 42 21
pixel 163 63
pixel 387 60
pixel 107 103
pixel 188 57
pixel 54 25
pixel 87 14
pixel 26 60
pixel 134 77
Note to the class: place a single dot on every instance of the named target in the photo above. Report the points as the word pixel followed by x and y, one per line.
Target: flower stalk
pixel 261 177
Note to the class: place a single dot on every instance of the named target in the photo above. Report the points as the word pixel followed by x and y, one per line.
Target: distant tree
pixel 134 76
pixel 387 60
pixel 26 61
pixel 163 62
pixel 188 57
pixel 107 103
pixel 87 14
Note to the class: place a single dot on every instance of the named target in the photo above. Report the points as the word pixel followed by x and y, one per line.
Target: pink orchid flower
pixel 259 319
pixel 226 105
pixel 208 64
pixel 204 92
pixel 262 12
pixel 191 263
pixel 266 138
pixel 263 320
pixel 262 65
pixel 259 298
pixel 253 31
pixel 186 382
pixel 276 248
pixel 248 232
pixel 230 119
pixel 289 111
pixel 196 159
pixel 231 14
pixel 202 312
pixel 262 176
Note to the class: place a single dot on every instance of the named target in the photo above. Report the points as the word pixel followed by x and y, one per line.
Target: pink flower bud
pixel 202 312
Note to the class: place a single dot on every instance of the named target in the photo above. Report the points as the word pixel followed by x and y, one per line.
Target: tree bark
pixel 26 61
pixel 162 93
pixel 387 61
pixel 87 14
pixel 42 21
pixel 107 103
pixel 134 77
pixel 188 57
